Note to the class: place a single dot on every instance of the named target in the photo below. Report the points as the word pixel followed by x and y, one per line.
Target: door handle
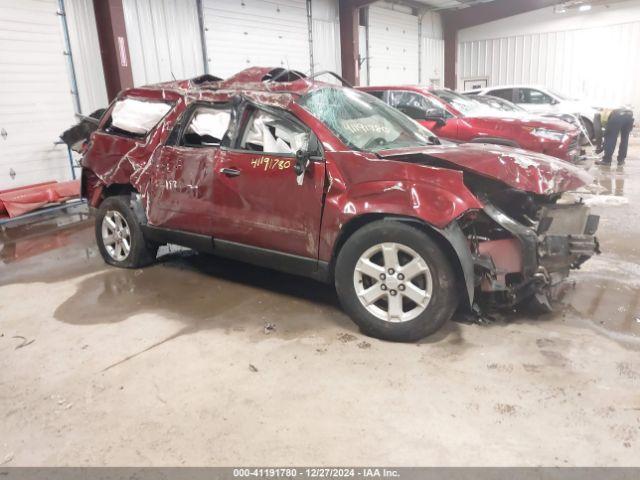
pixel 230 172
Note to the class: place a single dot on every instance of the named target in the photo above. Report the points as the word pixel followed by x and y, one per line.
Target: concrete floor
pixel 172 365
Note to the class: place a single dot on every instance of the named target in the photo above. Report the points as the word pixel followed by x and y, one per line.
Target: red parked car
pixel 279 170
pixel 462 119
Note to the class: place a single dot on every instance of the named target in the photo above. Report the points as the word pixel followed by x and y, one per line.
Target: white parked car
pixel 544 100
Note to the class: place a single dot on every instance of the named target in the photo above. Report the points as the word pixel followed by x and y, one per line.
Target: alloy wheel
pixel 393 282
pixel 116 235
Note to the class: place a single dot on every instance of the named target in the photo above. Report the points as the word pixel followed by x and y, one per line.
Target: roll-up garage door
pixel 245 33
pixel 393 47
pixel 164 39
pixel 36 104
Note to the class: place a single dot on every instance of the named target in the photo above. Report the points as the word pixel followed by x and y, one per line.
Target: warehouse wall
pixel 164 39
pixel 432 50
pixel 326 35
pixel 36 103
pixel 393 45
pixel 244 33
pixel 85 48
pixel 404 47
pixel 584 54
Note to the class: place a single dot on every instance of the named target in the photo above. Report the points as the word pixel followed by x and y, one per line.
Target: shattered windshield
pixel 363 122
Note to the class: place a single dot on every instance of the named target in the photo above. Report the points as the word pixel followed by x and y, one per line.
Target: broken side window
pixel 265 132
pixel 136 117
pixel 207 127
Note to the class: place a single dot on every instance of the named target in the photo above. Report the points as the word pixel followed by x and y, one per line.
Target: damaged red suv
pixel 279 170
pixel 462 119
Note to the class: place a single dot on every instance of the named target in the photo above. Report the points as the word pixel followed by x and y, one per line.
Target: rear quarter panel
pixel 120 159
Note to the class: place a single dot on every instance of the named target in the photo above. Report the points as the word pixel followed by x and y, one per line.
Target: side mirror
pixel 436 115
pixel 303 159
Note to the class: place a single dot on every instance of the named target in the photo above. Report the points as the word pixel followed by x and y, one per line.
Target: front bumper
pixel 512 269
pixel 568 149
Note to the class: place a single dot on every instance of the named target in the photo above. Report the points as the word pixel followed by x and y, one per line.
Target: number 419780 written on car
pixel 269 163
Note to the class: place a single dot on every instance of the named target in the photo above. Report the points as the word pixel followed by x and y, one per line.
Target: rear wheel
pixel 119 236
pixel 395 282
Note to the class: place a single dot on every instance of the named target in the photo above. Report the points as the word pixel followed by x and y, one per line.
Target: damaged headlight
pixel 548 134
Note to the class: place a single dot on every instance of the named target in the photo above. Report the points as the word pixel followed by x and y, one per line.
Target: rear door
pixel 259 199
pixel 181 174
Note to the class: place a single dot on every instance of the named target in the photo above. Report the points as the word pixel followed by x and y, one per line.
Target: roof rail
pixel 333 74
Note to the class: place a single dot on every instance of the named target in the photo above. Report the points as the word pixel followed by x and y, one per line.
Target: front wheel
pixel 395 282
pixel 119 236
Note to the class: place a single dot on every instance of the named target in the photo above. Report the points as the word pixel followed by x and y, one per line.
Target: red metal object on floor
pixel 18 201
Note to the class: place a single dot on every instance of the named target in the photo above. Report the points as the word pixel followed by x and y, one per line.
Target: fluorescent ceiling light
pixel 584 8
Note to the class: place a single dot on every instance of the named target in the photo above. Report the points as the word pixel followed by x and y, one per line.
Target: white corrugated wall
pixel 393 45
pixel 326 36
pixel 433 61
pixel 432 50
pixel 35 99
pixel 599 62
pixel 164 39
pixel 85 49
pixel 364 55
pixel 245 33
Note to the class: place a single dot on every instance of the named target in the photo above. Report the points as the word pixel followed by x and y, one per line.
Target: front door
pixel 259 200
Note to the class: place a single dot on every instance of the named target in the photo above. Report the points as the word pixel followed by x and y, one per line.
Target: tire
pixel 404 319
pixel 588 126
pixel 140 251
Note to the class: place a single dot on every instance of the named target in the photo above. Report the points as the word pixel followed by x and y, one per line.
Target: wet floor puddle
pixel 196 288
pixel 611 307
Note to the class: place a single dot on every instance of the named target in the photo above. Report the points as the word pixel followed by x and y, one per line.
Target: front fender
pixel 435 203
pixel 437 200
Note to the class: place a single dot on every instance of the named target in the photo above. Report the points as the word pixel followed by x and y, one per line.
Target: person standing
pixel 616 122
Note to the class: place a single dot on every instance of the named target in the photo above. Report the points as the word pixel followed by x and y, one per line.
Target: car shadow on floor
pixel 193 287
pixel 205 292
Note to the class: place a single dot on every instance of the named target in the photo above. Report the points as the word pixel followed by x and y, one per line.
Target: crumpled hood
pixel 521 169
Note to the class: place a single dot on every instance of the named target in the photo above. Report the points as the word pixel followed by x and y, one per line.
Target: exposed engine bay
pixel 525 244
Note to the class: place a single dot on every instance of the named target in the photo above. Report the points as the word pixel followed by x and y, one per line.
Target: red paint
pixel 182 188
pixel 18 201
pixel 465 128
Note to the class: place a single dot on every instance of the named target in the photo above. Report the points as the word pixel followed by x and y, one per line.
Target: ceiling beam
pixel 490 11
